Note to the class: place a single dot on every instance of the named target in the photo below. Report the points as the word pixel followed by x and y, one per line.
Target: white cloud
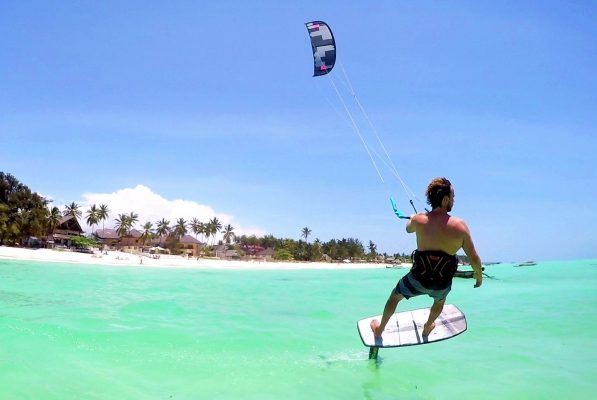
pixel 152 207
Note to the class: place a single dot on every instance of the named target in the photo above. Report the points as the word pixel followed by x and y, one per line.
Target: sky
pixel 202 109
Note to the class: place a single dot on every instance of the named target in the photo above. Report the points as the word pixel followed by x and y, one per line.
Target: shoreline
pixel 115 258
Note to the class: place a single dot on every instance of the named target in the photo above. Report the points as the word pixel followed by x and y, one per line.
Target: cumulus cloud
pixel 152 207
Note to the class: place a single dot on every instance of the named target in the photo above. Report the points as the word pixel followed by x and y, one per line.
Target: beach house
pixel 190 246
pixel 67 228
pixel 111 239
pixel 107 237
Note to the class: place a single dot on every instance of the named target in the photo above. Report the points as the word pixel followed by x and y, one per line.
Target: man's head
pixel 440 193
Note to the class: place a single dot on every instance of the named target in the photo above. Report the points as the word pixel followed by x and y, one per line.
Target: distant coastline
pixel 127 259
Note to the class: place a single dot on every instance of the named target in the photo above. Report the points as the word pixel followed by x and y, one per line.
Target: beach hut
pixel 266 254
pixel 231 255
pixel 67 228
pixel 107 237
pixel 190 246
pixel 131 241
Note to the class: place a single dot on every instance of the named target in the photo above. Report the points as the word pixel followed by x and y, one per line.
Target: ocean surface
pixel 72 331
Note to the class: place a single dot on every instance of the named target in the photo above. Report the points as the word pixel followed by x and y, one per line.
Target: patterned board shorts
pixel 409 287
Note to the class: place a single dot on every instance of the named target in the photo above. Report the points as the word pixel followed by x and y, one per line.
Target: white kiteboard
pixel 406 328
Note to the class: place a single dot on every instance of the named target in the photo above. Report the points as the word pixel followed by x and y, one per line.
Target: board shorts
pixel 409 287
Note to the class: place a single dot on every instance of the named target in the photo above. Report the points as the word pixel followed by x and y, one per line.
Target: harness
pixel 434 269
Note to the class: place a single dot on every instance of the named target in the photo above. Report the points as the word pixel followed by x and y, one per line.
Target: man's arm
pixel 469 248
pixel 410 225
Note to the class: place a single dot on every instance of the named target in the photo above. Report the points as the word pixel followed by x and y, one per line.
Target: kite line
pixel 323 45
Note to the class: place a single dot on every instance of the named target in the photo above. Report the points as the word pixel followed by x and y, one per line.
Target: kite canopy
pixel 324 47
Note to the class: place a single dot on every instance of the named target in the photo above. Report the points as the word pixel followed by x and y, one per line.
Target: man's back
pixel 438 231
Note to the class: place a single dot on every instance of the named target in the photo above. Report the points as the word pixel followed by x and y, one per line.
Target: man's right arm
pixel 469 248
pixel 414 220
pixel 410 225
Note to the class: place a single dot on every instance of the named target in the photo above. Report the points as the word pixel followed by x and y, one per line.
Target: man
pixel 439 237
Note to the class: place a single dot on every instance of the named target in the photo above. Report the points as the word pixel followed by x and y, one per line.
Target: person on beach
pixel 439 237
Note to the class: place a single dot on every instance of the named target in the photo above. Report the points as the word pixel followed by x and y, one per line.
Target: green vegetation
pixel 24 213
pixel 83 242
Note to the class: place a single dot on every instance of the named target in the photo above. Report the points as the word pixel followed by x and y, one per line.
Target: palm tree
pixel 181 228
pixel 73 210
pixel 214 226
pixel 92 216
pixel 305 233
pixel 163 228
pixel 54 217
pixel 196 227
pixel 102 214
pixel 207 232
pixel 133 219
pixel 147 232
pixel 202 230
pixel 123 224
pixel 372 248
pixel 228 233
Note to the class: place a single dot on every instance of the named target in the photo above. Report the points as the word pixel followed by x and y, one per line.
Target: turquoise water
pixel 70 331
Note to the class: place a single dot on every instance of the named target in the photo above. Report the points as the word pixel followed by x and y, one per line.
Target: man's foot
pixel 428 328
pixel 375 328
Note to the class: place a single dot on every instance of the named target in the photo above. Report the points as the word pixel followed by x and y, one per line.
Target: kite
pixel 324 47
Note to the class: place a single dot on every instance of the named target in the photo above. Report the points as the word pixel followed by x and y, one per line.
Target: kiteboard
pixel 406 328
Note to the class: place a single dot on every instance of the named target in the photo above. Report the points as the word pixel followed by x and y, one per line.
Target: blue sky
pixel 214 105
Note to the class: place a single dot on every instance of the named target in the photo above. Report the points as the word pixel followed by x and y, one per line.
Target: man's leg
pixel 388 311
pixel 436 309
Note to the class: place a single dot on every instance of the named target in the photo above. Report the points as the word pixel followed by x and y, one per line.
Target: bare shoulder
pixel 458 223
pixel 420 217
pixel 414 221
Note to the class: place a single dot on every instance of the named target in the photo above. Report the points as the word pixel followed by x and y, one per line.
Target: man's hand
pixel 478 275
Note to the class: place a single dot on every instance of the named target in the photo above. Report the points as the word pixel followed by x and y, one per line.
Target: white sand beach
pixel 165 261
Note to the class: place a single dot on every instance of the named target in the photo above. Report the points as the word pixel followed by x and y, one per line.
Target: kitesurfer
pixel 439 237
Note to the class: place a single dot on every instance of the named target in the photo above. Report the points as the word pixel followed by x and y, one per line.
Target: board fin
pixel 373 353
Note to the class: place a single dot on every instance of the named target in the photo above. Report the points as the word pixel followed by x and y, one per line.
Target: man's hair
pixel 437 189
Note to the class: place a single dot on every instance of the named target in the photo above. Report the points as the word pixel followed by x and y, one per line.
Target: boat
pixel 466 274
pixel 526 264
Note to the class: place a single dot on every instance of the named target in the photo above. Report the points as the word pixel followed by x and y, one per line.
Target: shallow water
pixel 71 331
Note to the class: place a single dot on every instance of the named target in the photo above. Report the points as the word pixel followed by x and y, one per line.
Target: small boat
pixel 467 274
pixel 463 274
pixel 526 264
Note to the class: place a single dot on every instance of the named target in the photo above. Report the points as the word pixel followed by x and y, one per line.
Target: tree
pixel 54 217
pixel 123 225
pixel 133 219
pixel 196 227
pixel 372 249
pixel 163 228
pixel 147 232
pixel 283 255
pixel 102 214
pixel 228 233
pixel 213 227
pixel 72 210
pixel 181 228
pixel 83 242
pixel 92 216
pixel 23 213
pixel 316 254
pixel 305 233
